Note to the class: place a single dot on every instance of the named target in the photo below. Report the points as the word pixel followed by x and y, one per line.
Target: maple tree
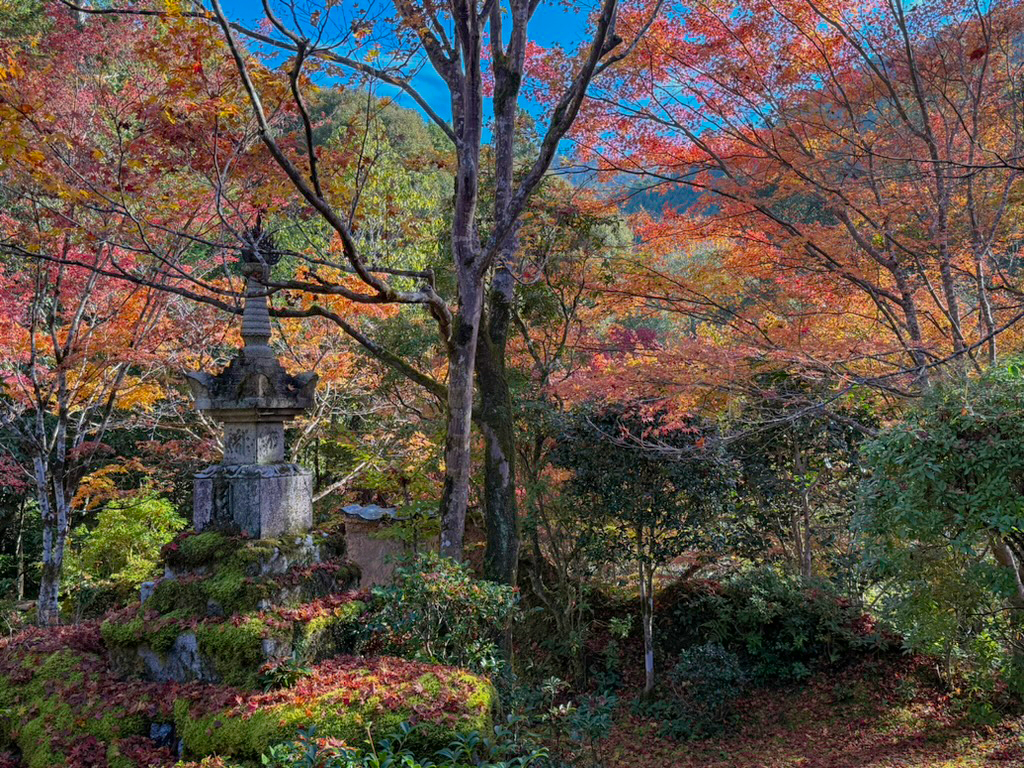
pixel 473 52
pixel 840 189
pixel 79 352
pixel 84 351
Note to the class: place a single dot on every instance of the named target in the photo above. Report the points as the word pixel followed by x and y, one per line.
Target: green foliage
pixel 705 683
pixel 652 488
pixel 123 547
pixel 943 523
pixel 474 749
pixel 437 611
pixel 414 524
pixel 22 19
pixel 780 629
pixel 798 476
pixel 591 721
pixel 283 674
pixel 19 518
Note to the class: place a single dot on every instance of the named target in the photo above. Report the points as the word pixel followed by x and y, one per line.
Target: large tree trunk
pixel 457 454
pixel 501 557
pixel 466 88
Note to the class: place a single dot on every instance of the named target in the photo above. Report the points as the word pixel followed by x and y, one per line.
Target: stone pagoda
pixel 253 489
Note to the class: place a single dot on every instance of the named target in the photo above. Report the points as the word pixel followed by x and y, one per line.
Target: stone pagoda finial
pixel 256 264
pixel 253 488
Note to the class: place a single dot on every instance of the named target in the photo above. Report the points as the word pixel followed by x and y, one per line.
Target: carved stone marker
pixel 253 489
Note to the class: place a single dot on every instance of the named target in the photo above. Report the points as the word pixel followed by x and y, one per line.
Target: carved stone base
pixel 265 501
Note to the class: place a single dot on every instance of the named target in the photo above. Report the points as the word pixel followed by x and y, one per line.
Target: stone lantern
pixel 254 489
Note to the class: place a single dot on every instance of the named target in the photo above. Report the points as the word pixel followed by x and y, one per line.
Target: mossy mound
pixel 217 574
pixel 228 605
pixel 62 705
pixel 348 698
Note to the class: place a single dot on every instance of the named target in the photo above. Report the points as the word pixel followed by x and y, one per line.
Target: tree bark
pixel 501 557
pixel 647 617
pixel 48 610
pixel 19 552
pixel 457 453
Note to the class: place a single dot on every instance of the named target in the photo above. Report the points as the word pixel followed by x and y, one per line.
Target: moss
pixel 234 592
pixel 197 550
pixel 39 720
pixel 256 551
pixel 214 548
pixel 231 583
pixel 236 651
pixel 341 713
pixel 188 595
pixel 331 634
pixel 159 635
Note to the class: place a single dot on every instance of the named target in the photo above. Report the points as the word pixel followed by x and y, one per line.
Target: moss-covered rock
pixel 190 550
pixel 178 648
pixel 182 648
pixel 237 650
pixel 330 632
pixel 346 698
pixel 213 574
pixel 46 712
pixel 209 551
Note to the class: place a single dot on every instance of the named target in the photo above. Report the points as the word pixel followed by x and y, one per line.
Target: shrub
pixel 779 628
pixel 941 523
pixel 706 681
pixel 436 611
pixel 123 548
pixel 283 674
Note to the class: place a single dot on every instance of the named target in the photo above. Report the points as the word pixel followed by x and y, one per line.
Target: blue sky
pixel 553 23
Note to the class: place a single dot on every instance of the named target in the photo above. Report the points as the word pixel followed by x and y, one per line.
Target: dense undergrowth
pixel 758 669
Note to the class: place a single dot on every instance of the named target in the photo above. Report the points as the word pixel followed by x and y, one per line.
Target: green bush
pixel 123 547
pixel 942 523
pixel 706 681
pixel 779 628
pixel 437 611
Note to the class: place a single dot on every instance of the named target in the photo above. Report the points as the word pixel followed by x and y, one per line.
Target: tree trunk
pixel 48 612
pixel 1007 558
pixel 457 457
pixel 19 552
pixel 647 616
pixel 501 557
pixel 466 88
pixel 500 515
pixel 807 559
